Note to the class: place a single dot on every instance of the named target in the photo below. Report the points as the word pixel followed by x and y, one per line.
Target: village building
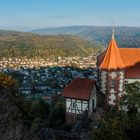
pixel 80 95
pixel 116 68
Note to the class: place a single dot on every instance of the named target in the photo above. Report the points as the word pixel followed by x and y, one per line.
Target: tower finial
pixel 113 33
pixel 113 30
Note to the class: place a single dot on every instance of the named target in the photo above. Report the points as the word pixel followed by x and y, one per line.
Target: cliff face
pixel 11 126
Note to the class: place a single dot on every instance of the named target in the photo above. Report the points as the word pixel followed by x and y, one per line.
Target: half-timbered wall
pixel 76 106
pixel 93 99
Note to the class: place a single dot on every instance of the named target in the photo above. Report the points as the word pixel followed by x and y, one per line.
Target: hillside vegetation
pixel 126 36
pixel 18 44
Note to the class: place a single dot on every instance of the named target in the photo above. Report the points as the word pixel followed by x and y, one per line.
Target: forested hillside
pixel 19 44
pixel 125 36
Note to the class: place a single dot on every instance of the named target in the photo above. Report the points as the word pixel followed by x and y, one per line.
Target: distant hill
pixel 21 44
pixel 125 36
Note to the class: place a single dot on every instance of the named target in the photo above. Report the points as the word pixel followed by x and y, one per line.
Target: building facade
pixel 80 95
pixel 116 67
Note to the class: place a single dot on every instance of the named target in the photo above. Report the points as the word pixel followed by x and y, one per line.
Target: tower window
pixel 112 83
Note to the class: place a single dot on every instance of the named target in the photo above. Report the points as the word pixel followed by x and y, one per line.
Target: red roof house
pixel 80 95
pixel 80 88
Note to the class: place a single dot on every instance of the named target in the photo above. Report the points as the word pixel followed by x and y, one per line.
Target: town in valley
pixel 43 78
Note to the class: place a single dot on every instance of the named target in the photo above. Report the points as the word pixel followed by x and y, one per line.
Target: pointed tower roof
pixel 112 59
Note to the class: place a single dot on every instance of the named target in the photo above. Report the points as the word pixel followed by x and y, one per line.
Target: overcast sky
pixel 33 14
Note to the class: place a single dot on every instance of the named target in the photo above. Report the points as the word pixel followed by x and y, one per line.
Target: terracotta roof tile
pixel 112 59
pixel 131 60
pixel 80 88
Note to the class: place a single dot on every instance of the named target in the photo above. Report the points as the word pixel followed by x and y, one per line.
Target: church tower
pixel 111 75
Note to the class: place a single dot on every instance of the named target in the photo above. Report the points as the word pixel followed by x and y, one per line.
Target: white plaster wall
pixel 94 91
pixel 78 112
pixel 103 81
pixel 90 105
pixel 95 101
pixel 73 111
pixel 112 90
pixel 79 105
pixel 90 102
pixel 68 103
pixel 93 97
pixel 85 106
pixel 112 98
pixel 132 80
pixel 113 75
pixel 121 83
pixel 69 106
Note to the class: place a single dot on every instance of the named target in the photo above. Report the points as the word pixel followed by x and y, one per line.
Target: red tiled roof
pixel 131 60
pixel 112 59
pixel 80 88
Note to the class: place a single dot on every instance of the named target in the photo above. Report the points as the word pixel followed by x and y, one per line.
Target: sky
pixel 26 15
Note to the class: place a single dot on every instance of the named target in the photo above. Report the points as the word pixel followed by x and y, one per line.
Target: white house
pixel 80 95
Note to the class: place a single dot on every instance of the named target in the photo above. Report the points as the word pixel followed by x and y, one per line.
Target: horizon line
pixel 65 26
